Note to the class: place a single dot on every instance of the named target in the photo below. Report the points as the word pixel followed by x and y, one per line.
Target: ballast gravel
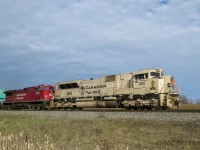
pixel 152 116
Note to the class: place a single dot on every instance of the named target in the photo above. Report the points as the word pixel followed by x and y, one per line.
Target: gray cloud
pixel 49 41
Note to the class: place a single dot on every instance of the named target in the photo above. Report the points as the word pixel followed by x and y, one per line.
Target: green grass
pixel 23 132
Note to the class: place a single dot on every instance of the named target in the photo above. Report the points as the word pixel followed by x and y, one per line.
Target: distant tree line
pixel 185 100
pixel 198 101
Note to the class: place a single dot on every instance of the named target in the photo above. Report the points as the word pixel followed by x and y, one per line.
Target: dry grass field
pixel 34 133
pixel 190 107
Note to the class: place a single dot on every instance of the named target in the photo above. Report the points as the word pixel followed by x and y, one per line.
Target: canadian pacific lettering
pixel 95 86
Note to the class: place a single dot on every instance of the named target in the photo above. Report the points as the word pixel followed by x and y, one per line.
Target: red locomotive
pixel 37 97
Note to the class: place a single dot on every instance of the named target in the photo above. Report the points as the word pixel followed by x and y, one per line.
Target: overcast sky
pixel 47 41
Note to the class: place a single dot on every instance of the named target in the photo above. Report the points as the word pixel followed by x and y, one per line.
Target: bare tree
pixel 198 101
pixel 185 100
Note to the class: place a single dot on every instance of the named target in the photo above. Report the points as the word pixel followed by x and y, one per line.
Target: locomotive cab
pixel 44 92
pixel 152 89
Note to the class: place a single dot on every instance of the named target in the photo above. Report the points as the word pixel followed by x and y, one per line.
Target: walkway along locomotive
pixel 144 89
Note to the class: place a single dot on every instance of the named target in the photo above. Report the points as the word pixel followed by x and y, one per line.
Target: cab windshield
pixel 44 88
pixel 155 74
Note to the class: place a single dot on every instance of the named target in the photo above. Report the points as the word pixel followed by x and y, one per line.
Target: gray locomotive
pixel 144 89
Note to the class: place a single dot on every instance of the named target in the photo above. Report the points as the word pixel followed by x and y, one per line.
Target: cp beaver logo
pixel 153 87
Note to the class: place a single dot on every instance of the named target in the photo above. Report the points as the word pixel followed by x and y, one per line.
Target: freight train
pixel 145 89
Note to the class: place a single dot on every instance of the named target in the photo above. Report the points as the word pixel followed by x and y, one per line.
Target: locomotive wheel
pixel 39 107
pixel 42 107
pixel 29 106
pixel 35 107
pixel 157 108
pixel 11 108
pixel 32 107
pixel 149 108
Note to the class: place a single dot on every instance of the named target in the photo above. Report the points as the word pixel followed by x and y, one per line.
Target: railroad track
pixel 109 110
pixel 124 110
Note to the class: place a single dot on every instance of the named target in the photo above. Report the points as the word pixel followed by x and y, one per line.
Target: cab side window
pixel 141 76
pixel 68 86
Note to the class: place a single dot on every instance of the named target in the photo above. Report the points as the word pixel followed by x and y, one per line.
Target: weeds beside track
pixel 25 132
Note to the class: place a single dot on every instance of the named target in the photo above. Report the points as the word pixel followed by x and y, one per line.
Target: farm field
pixel 24 132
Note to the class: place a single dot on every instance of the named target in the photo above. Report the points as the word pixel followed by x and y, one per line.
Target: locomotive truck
pixel 145 89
